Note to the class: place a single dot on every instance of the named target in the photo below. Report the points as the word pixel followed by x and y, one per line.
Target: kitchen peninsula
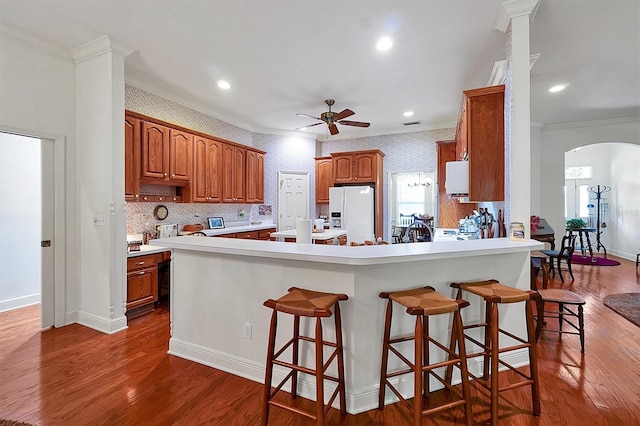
pixel 218 286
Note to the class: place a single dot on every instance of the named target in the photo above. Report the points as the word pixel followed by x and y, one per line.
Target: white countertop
pixel 147 249
pixel 326 234
pixel 361 255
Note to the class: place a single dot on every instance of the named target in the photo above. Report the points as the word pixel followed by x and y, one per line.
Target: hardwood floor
pixel 77 376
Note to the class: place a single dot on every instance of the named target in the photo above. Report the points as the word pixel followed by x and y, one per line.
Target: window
pixel 412 194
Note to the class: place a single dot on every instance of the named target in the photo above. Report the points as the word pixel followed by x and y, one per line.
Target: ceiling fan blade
pixel 343 114
pixel 309 116
pixel 354 123
pixel 333 129
pixel 310 125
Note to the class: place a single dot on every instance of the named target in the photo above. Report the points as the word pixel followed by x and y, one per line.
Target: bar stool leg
pixel 533 359
pixel 417 373
pixel 488 341
pixel 458 335
pixel 319 375
pixel 341 384
pixel 560 315
pixel 385 354
pixel 492 308
pixel 425 357
pixel 295 356
pixel 269 368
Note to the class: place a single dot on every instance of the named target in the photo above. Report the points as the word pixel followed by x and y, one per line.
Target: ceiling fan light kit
pixel 332 118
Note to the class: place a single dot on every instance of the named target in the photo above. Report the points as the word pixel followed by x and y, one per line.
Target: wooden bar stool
pixel 305 303
pixel 494 294
pixel 424 302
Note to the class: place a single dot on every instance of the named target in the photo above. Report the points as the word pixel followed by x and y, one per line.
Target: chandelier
pixel 421 182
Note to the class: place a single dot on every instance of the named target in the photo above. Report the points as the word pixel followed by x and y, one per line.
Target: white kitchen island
pixel 218 286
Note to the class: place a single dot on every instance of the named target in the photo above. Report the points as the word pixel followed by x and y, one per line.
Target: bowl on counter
pixel 256 222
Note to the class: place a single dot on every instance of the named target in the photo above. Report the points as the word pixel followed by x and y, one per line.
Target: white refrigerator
pixel 351 208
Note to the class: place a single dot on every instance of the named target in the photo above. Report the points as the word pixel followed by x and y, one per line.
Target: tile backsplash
pixel 139 214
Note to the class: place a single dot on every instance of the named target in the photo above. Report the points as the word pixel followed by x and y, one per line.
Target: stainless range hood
pixel 457 178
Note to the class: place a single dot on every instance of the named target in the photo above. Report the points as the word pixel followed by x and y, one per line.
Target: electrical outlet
pixel 247 331
pixel 99 220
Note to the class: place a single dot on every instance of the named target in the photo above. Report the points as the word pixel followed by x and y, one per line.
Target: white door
pixel 47 242
pixel 293 198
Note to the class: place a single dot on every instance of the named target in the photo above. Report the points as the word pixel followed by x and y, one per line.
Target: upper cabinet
pixel 480 134
pixel 166 155
pixel 206 182
pixel 233 159
pixel 206 169
pixel 131 158
pixel 357 166
pixel 255 177
pixel 324 178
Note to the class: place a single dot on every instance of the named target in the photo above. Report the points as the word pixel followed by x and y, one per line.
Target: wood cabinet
pixel 166 155
pixel 324 178
pixel 142 282
pixel 357 167
pixel 262 234
pixel 255 177
pixel 206 181
pixel 450 210
pixel 131 158
pixel 480 134
pixel 233 168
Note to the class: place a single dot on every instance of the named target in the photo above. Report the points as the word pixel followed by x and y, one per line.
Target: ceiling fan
pixel 331 118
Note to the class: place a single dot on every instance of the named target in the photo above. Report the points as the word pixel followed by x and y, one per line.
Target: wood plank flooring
pixel 77 376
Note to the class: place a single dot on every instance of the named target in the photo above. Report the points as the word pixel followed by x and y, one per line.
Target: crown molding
pixel 510 9
pixel 98 47
pixel 499 72
pixel 36 43
pixel 591 123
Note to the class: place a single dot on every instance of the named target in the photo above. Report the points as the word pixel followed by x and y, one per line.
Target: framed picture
pixel 215 222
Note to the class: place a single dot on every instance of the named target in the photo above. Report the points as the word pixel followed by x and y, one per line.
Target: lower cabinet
pixel 142 282
pixel 262 234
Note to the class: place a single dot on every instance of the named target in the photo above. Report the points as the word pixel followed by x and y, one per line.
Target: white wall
pixel 556 140
pixel 38 99
pixel 20 221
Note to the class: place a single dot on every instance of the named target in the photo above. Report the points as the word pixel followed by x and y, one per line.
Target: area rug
pixel 577 259
pixel 4 422
pixel 626 304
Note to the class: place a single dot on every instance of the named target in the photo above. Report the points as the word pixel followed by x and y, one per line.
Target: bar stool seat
pixel 424 302
pixel 494 294
pixel 314 304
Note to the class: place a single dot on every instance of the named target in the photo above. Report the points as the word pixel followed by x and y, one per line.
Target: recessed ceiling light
pixel 558 88
pixel 408 114
pixel 224 84
pixel 384 43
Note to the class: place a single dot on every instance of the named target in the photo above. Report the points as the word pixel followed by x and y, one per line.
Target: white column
pixel 100 157
pixel 514 19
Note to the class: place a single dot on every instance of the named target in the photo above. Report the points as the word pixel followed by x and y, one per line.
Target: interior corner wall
pixel 536 157
pixel 38 99
pixel 558 139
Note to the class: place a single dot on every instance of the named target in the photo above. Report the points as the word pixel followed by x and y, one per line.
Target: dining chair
pixel 417 232
pixel 408 219
pixel 564 254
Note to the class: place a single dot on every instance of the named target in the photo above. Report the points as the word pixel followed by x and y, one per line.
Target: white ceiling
pixel 284 57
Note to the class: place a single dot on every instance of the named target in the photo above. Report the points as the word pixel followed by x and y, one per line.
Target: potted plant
pixel 576 223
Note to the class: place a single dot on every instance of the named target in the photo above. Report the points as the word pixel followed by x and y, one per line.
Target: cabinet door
pixel 255 177
pixel 233 185
pixel 324 179
pixel 228 173
pixel 214 171
pixel 155 151
pixel 239 186
pixel 342 168
pixel 131 159
pixel 142 287
pixel 365 167
pixel 199 193
pixel 180 147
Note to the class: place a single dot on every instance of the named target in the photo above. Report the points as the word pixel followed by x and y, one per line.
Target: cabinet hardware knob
pixel 173 175
pixel 137 195
pixel 142 272
pixel 165 175
pixel 141 263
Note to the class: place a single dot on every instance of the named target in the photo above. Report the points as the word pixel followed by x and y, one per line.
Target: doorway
pixel 27 186
pixel 293 198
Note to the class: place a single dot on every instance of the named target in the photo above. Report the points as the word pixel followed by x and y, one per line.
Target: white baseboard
pixel 623 255
pixel 102 324
pixel 19 302
pixel 358 400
